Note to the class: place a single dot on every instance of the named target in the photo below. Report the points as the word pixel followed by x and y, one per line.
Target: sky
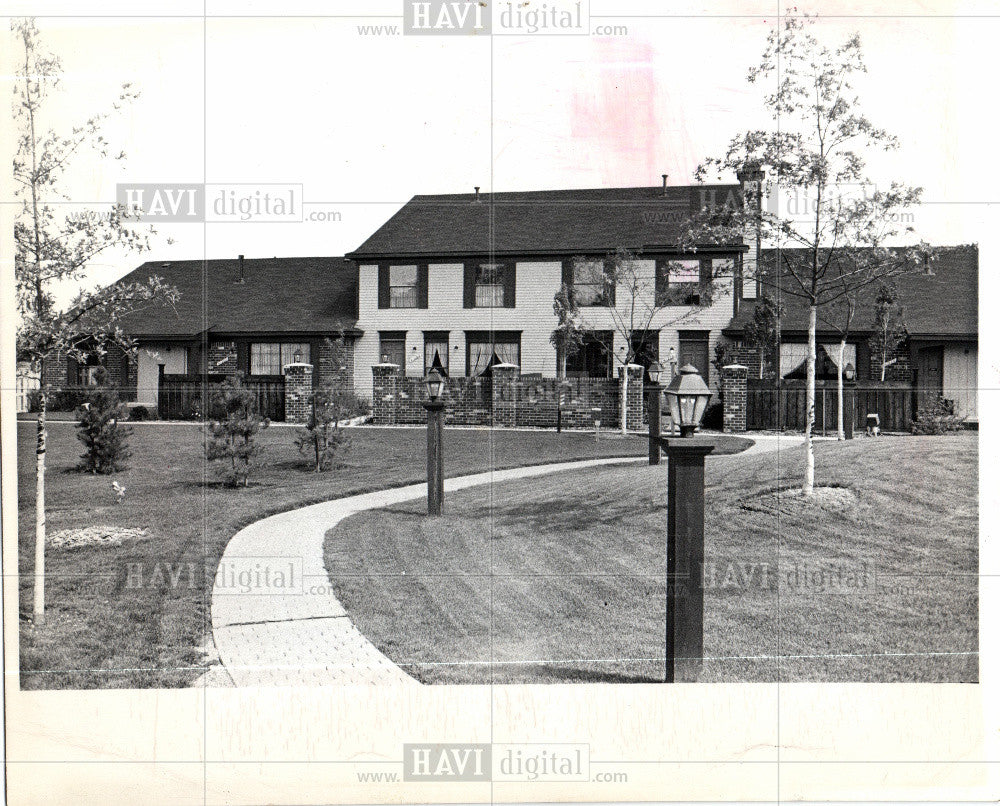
pixel 364 121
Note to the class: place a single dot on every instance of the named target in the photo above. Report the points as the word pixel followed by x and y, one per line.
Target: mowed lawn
pixel 135 615
pixel 561 578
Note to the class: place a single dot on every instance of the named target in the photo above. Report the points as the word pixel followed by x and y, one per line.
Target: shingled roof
pixel 293 294
pixel 942 303
pixel 542 222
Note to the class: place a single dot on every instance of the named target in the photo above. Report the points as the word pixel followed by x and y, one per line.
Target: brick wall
pixel 900 371
pixel 298 393
pixel 222 358
pixel 335 365
pixel 508 399
pixel 734 398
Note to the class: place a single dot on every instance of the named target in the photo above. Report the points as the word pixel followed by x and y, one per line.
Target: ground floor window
pixel 485 350
pixel 270 358
pixel 794 358
pixel 594 357
pixel 392 348
pixel 436 352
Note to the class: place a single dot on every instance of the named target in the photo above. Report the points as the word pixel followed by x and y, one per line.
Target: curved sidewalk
pixel 300 635
pixel 298 638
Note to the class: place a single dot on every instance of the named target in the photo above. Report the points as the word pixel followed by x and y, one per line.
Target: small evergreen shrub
pixel 232 438
pixel 100 430
pixel 939 418
pixel 323 436
pixel 140 413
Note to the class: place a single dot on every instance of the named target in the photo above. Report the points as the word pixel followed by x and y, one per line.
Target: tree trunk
pixel 39 599
pixel 840 390
pixel 561 366
pixel 810 477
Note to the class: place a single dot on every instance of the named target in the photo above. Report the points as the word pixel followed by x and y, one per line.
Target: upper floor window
pixel 402 286
pixel 590 283
pixel 489 285
pixel 679 282
pixel 270 358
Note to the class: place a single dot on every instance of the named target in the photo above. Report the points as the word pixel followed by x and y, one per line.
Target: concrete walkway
pixel 275 619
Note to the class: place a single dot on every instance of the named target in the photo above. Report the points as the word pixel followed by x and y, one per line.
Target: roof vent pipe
pixel 242 276
pixel 664 183
pixel 477 193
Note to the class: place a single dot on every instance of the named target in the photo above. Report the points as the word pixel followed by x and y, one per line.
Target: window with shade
pixel 436 352
pixel 270 358
pixel 484 351
pixel 590 283
pixel 678 282
pixel 489 286
pixel 403 286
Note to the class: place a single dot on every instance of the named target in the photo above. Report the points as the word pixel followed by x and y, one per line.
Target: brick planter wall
pixel 734 399
pixel 222 358
pixel 507 399
pixel 298 393
pixel 385 392
pixel 505 378
pixel 634 398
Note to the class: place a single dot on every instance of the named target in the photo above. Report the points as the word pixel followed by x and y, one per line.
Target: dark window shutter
pixel 705 295
pixel 609 284
pixel 383 286
pixel 469 286
pixel 660 284
pixel 72 371
pixel 567 276
pixel 422 285
pixel 509 284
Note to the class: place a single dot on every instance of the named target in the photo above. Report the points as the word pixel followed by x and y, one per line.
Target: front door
pixel 694 350
pixel 930 375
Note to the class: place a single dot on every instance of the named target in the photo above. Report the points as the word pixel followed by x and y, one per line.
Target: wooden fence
pixel 184 398
pixel 784 409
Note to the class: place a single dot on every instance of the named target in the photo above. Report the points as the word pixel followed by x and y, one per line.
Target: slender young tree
pixel 569 332
pixel 890 328
pixel 51 248
pixel 637 309
pixel 821 205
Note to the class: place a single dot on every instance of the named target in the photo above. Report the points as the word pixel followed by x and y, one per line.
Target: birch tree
pixel 52 248
pixel 821 204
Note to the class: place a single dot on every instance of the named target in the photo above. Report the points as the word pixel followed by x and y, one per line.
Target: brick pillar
pixel 298 393
pixel 505 378
pixel 633 400
pixel 385 393
pixel 734 398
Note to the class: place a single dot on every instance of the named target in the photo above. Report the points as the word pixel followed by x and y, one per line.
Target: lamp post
pixel 654 412
pixel 688 396
pixel 850 373
pixel 435 440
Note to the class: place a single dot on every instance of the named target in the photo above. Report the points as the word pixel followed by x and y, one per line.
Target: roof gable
pixel 305 294
pixel 943 302
pixel 542 222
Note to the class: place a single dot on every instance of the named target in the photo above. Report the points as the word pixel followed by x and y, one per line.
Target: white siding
pixel 537 283
pixel 961 378
pixel 150 356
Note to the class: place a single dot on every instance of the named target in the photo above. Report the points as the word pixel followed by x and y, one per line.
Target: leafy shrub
pixel 100 430
pixel 140 413
pixel 713 417
pixel 232 439
pixel 34 400
pixel 939 418
pixel 323 436
pixel 67 398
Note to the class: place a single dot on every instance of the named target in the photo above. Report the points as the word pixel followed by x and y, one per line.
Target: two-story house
pixel 461 282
